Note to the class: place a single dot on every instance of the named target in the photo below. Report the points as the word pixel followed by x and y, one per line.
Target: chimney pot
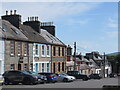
pixel 14 12
pixel 6 12
pixel 37 18
pixel 10 12
pixel 32 18
pixel 28 18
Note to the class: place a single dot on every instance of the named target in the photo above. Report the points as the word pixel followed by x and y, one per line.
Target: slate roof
pixel 32 35
pixel 8 31
pixel 27 33
pixel 50 38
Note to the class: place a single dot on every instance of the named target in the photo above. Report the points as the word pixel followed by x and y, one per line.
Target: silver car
pixel 65 77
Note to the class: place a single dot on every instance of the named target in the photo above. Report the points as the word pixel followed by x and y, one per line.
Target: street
pixel 75 84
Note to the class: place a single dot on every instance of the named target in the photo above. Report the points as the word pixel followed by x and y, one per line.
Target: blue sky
pixel 93 25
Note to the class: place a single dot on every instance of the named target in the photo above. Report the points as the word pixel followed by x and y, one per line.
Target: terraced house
pixel 31 45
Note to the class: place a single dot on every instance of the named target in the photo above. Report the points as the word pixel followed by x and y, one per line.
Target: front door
pixel 53 67
pixel 36 67
pixel 19 66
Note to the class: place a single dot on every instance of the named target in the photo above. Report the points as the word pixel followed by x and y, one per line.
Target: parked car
pixel 118 75
pixel 51 77
pixel 42 77
pixel 95 76
pixel 1 79
pixel 65 77
pixel 111 75
pixel 16 77
pixel 78 75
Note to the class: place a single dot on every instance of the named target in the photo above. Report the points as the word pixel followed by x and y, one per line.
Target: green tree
pixel 113 61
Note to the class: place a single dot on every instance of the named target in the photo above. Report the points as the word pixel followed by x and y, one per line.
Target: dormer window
pixel 15 31
pixel 3 29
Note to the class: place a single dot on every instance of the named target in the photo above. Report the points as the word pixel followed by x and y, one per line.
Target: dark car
pixel 51 77
pixel 78 75
pixel 42 77
pixel 95 76
pixel 16 77
pixel 111 75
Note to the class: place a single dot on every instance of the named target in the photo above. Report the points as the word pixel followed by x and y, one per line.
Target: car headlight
pixel 35 77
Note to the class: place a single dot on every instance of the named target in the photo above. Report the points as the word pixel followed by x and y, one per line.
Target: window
pixel 63 52
pixel 62 66
pixel 43 50
pixel 19 48
pixel 36 49
pixel 12 47
pixel 54 51
pixel 25 66
pixel 42 67
pixel 25 49
pixel 16 32
pixel 59 66
pixel 12 66
pixel 48 50
pixel 48 70
pixel 59 51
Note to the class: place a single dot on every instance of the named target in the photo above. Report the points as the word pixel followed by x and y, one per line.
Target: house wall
pixel 39 60
pixel 1 56
pixel 13 59
pixel 46 59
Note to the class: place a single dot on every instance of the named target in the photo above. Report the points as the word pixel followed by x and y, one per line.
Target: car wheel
pixel 6 81
pixel 27 81
pixel 65 80
pixel 84 79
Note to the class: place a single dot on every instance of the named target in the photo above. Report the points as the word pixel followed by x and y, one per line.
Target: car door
pixel 17 76
pixel 60 77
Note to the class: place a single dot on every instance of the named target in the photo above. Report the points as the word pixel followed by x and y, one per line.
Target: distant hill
pixel 115 53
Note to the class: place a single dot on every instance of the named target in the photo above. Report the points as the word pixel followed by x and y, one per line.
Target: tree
pixel 113 61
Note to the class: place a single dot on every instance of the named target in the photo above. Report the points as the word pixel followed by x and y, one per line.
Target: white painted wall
pixel 40 55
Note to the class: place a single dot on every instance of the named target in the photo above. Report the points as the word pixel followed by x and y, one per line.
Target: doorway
pixel 53 67
pixel 19 66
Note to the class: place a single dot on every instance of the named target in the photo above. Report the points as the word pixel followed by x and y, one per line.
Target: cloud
pixel 112 22
pixel 51 11
pixel 112 25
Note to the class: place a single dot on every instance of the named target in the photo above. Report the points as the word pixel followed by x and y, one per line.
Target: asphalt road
pixel 75 84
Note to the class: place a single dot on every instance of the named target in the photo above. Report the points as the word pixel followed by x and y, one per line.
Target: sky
pixel 92 25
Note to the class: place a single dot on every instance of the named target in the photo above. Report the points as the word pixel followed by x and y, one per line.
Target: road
pixel 75 84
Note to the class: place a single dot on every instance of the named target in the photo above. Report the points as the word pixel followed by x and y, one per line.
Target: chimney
pixel 14 12
pixel 48 26
pixel 6 12
pixel 14 19
pixel 34 23
pixel 10 12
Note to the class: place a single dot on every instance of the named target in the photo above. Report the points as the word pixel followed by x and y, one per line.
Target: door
pixel 36 67
pixel 53 67
pixel 19 66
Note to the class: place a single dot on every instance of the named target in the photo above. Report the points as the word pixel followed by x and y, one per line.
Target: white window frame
pixel 43 55
pixel 48 50
pixel 43 67
pixel 36 55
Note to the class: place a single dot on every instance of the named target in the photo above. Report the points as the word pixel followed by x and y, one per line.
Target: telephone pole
pixel 74 55
pixel 104 66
